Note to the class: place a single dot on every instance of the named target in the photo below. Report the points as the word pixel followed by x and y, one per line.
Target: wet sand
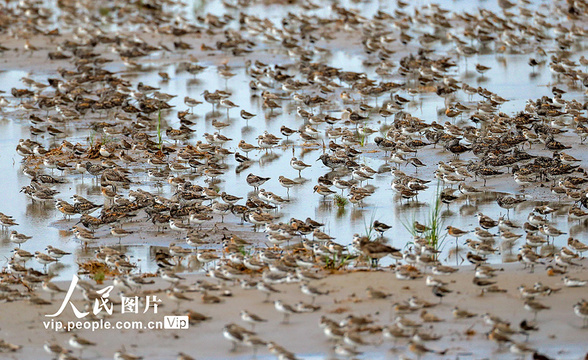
pixel 560 334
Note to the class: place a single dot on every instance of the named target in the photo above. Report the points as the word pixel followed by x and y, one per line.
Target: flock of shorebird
pixel 398 49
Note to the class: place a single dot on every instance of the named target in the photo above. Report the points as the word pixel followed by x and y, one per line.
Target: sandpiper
pixel 577 245
pixel 581 310
pixel 462 314
pixel 456 233
pixel 551 231
pixel 381 227
pixel 267 288
pixel 485 221
pixel 535 307
pixel 312 291
pixel 440 292
pixel 374 250
pixel 298 165
pixel 55 252
pixel 323 190
pixel 18 238
pixel 178 297
pixel 120 233
pixel 80 343
pixel 44 259
pixel 51 288
pixel 251 318
pixel 286 309
pixel 256 181
pixel 21 255
pixel 287 183
pixel 573 282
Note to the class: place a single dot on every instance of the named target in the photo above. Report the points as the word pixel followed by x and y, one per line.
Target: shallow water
pixel 510 77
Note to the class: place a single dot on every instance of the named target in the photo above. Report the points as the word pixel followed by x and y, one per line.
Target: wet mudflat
pixel 133 153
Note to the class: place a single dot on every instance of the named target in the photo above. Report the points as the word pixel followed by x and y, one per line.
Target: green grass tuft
pixel 159 138
pixel 435 236
pixel 369 227
pixel 341 201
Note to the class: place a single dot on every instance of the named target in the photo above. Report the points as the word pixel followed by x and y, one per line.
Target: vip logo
pixel 176 322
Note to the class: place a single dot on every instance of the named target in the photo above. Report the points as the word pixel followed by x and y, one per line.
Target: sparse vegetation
pixel 369 227
pixel 159 138
pixel 341 201
pixel 104 11
pixel 91 138
pixel 434 234
pixel 362 139
pixel 99 277
pixel 337 262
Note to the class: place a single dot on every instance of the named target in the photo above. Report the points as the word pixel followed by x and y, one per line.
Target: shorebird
pixel 286 309
pixel 323 190
pixel 346 351
pixel 247 115
pixel 268 289
pixel 44 259
pixel 498 337
pixel 485 221
pixel 51 288
pixel 581 310
pixel 534 307
pixel 377 294
pixel 18 238
pixel 456 233
pixel 521 349
pixel 80 343
pixel 177 296
pixel 462 314
pixel 380 227
pixel 53 349
pixel 251 318
pixel 482 283
pixel 374 250
pixel 550 231
pixel 234 334
pixel 55 252
pixel 287 183
pixel 253 342
pixel 482 69
pixel 573 282
pixel 419 350
pixel 120 233
pixel 312 291
pixel 228 104
pixel 577 245
pixel 298 165
pixel 191 103
pixel 441 291
pixel 21 255
pixel 256 181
